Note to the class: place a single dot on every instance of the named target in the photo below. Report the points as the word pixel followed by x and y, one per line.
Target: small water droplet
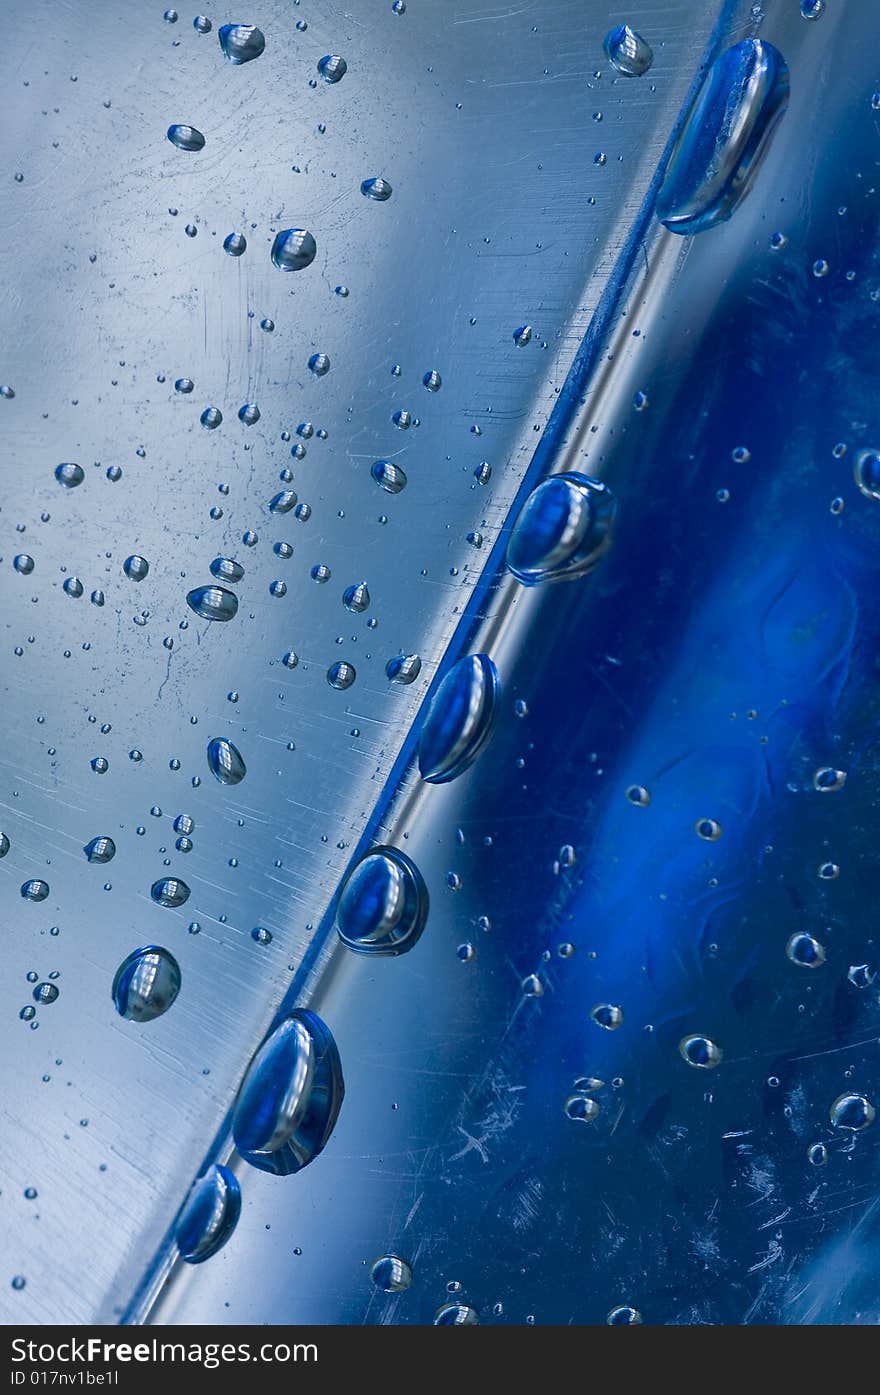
pixel 23 563
pixel 432 380
pixel 235 244
pixel 35 890
pixel 170 892
pixel 804 950
pixel 69 474
pixel 391 1274
pixel 319 364
pixel 341 675
pixel 581 1109
pixel 708 829
pixel 356 598
pixel 377 188
pixel 404 668
pixel 332 68
pixel 136 567
pixel 623 1316
pixel 101 849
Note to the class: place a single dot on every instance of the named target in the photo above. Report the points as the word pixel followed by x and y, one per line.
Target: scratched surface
pixel 481 116
pixel 723 654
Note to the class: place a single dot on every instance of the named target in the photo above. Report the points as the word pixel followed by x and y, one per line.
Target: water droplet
pixel 321 573
pixel 532 987
pixel 225 761
pixel 403 669
pixel 225 569
pixel 249 414
pixel 817 1154
pixel 319 364
pixel 812 9
pixel 860 975
pixel 202 24
pixel 804 950
pixel 356 598
pixel 290 1097
pixel 638 795
pixel 581 1109
pixel 332 68
pixel 23 563
pixel 70 474
pixel 829 871
pixel 19 1282
pixel 390 477
pixel 261 936
pixel 73 587
pixel 209 1216
pixel 562 530
pixel 4 845
pixel 607 1015
pixel 241 43
pixel 383 904
pixel 866 471
pixel 45 993
pixel 136 567
pixel 146 984
pixel 35 890
pixel 628 52
pixel 283 502
pixel 522 336
pixel 460 719
pixel 213 602
pixel 290 659
pixel 100 849
pixel 235 244
pixel 850 1111
pixel 708 829
pixel 267 326
pixel 378 189
pixel 211 418
pixel 170 16
pixel 170 892
pixel 700 1052
pixel 432 380
pixel 341 675
pixel 186 137
pixel 483 472
pixel 724 137
pixel 623 1316
pixel 451 1314
pixel 294 249
pixel 184 386
pixel 100 765
pixel 391 1274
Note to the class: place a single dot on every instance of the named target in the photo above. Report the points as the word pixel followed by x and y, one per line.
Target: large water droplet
pixel 866 471
pixel 356 598
pixel 456 1315
pixel 724 138
pixel 136 568
pixel 283 502
pixel 391 1274
pixel 459 720
pixel 23 563
pixel 226 761
pixel 186 137
pixel 35 889
pixel 341 675
pixel 225 569
pixel 332 68
pixel 241 43
pixel 378 189
pixel 209 1216
pixel 383 904
pixel 390 477
pixel 293 249
pixel 290 1097
pixel 213 602
pixel 146 984
pixel 100 850
pixel 170 891
pixel 69 474
pixel 851 1111
pixel 701 1052
pixel 563 529
pixel 628 52
pixel 806 951
pixel 403 668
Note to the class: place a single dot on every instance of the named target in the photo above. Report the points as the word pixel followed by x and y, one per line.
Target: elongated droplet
pixel 241 43
pixel 146 984
pixel 283 502
pixel 226 761
pixel 290 1097
pixel 628 52
pixel 293 249
pixel 388 476
pixel 403 669
pixel 209 1215
pixel 383 904
pixel 225 569
pixel 724 138
pixel 378 189
pixel 459 720
pixel 186 137
pixel 100 850
pixel 213 602
pixel 562 531
pixel 170 891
